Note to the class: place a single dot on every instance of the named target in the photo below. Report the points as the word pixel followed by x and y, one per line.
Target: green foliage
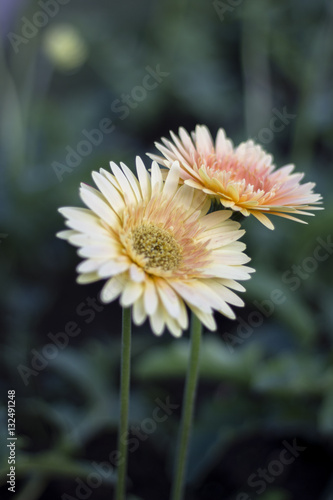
pixel 232 73
pixel 215 361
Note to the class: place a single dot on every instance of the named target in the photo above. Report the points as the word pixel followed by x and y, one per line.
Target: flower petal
pixel 133 181
pixel 124 184
pixel 168 297
pixel 156 179
pixel 157 322
pixel 131 293
pixel 139 312
pixel 99 207
pixel 114 267
pixel 112 289
pixel 150 297
pixel 144 178
pixel 172 181
pixel 109 191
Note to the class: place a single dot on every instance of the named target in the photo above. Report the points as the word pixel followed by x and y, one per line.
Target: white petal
pixel 215 219
pixel 226 310
pixel 139 312
pixel 228 272
pixel 81 219
pixel 186 139
pixel 144 178
pixel 169 298
pixel 99 206
pixel 167 153
pixel 131 293
pixel 229 258
pixel 65 235
pixel 184 196
pixel 201 201
pixel 93 225
pixel 203 139
pixel 173 153
pixel 205 318
pixel 112 179
pixel 133 181
pixel 172 181
pixel 173 326
pixel 183 317
pixel 223 145
pixel 189 293
pixel 81 240
pixel 112 289
pixel 109 191
pixel 137 273
pixel 78 213
pixel 224 239
pixel 89 265
pixel 99 252
pixel 150 297
pixel 180 146
pixel 126 187
pixel 113 267
pixel 219 231
pixel 231 284
pixel 225 294
pixel 156 178
pixel 86 278
pixel 207 294
pixel 157 322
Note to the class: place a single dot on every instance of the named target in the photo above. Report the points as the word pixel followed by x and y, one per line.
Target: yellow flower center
pixel 158 246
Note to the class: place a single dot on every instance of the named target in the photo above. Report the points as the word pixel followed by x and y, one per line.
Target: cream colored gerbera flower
pixel 157 247
pixel 243 178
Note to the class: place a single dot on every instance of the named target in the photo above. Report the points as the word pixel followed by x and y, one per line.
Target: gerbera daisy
pixel 157 247
pixel 243 178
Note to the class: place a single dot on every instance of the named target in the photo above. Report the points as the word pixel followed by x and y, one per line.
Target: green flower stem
pixel 187 412
pixel 124 403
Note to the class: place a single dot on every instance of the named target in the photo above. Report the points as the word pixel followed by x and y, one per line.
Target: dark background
pixel 266 378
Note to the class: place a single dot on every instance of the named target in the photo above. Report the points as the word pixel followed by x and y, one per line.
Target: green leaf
pixel 216 361
pixel 325 415
pixel 291 374
pixel 289 308
pixel 53 464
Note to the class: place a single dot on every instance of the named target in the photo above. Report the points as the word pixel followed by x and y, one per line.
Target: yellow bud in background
pixel 65 47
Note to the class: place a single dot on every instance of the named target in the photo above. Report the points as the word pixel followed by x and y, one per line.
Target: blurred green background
pixel 74 95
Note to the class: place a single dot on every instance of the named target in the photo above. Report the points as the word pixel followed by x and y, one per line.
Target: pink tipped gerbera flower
pixel 157 248
pixel 243 178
